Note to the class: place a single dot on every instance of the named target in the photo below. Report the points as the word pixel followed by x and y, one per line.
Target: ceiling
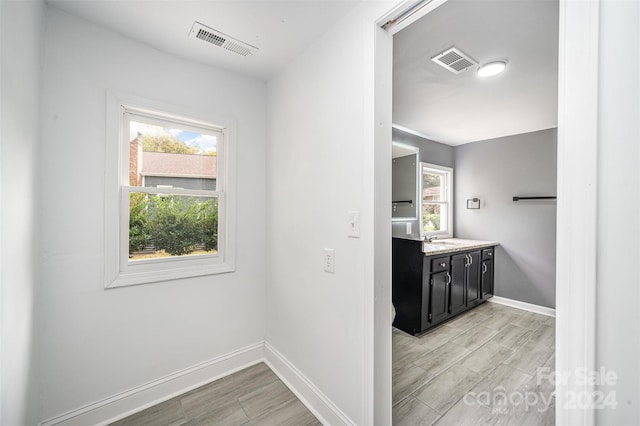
pixel 428 99
pixel 280 29
pixel 457 109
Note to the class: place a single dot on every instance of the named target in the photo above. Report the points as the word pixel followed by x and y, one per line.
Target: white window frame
pixel 447 174
pixel 119 271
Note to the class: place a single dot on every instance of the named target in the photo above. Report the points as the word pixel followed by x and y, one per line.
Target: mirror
pixel 404 187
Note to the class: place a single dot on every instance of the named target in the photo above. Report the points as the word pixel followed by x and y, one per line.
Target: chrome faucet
pixel 429 238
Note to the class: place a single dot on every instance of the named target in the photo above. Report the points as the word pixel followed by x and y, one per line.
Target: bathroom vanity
pixel 435 281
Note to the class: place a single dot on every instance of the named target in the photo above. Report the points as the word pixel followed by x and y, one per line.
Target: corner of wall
pixel 19 165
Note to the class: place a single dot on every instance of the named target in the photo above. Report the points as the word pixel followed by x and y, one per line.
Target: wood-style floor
pixel 481 368
pixel 253 396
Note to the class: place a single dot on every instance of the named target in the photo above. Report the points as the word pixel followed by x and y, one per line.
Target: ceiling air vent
pixel 219 39
pixel 454 60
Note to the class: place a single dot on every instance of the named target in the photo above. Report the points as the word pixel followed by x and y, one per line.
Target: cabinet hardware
pixel 470 260
pixel 489 254
pixel 442 265
pixel 484 268
pixel 448 279
pixel 429 316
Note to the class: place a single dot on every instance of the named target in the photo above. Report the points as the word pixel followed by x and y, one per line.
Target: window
pixel 436 211
pixel 169 214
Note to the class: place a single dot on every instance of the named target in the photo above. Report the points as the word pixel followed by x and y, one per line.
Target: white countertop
pixel 450 245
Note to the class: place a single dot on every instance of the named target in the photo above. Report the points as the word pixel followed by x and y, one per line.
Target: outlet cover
pixel 329 260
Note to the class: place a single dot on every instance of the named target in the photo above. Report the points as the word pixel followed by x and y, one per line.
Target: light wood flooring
pixel 480 368
pixel 477 369
pixel 253 396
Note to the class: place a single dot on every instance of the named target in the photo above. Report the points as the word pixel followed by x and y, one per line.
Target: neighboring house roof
pixel 431 191
pixel 179 165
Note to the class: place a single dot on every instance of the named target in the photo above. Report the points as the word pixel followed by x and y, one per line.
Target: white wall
pixel 618 292
pixel 495 170
pixel 99 342
pixel 320 165
pixel 21 27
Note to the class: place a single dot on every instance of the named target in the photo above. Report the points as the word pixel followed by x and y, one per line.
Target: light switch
pixel 329 260
pixel 354 224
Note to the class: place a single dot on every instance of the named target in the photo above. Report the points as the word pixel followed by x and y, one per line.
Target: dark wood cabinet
pixel 430 289
pixel 408 294
pixel 439 297
pixel 474 290
pixel 458 283
pixel 487 278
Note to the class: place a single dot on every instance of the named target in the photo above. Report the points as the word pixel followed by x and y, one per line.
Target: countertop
pixel 451 245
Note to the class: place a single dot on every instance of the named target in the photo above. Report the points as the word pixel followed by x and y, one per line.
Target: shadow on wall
pixel 516 280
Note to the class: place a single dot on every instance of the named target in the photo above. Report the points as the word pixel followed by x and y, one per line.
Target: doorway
pixel 577 149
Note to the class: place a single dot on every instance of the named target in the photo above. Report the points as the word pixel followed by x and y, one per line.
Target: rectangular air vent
pixel 219 39
pixel 454 60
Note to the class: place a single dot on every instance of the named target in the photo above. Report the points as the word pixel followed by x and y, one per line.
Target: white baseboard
pixel 312 397
pixel 141 397
pixel 523 305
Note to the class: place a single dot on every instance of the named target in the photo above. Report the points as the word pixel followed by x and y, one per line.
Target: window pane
pixel 433 217
pixel 171 157
pixel 171 225
pixel 432 187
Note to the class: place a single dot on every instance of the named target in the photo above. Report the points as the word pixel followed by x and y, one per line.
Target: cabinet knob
pixel 443 265
pixel 489 254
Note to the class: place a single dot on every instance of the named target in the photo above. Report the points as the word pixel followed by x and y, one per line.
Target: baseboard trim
pixel 144 396
pixel 312 397
pixel 523 305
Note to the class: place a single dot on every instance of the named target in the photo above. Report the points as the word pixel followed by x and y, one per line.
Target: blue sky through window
pixel 204 143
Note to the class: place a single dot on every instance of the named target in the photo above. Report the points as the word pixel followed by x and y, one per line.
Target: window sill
pixel 137 277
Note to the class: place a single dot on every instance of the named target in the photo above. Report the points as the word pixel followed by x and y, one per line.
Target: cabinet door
pixel 487 278
pixel 458 281
pixel 474 291
pixel 439 299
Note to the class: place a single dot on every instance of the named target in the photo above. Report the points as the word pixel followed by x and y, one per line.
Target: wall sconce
pixel 473 203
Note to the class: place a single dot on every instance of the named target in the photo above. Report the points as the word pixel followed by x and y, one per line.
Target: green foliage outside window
pixel 175 224
pixel 431 217
pixel 431 222
pixel 138 222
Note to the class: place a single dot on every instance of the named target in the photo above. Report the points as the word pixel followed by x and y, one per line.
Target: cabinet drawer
pixel 440 264
pixel 487 254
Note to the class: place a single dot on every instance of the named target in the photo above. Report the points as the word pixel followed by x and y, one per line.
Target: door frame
pixel 576 203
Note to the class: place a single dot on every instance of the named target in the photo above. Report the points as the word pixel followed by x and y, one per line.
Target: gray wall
pixel 430 152
pixel 495 170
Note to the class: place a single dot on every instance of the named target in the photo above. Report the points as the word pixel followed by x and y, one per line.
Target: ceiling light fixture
pixel 492 68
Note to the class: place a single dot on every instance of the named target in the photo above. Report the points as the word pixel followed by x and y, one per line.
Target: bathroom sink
pixel 437 245
pixel 443 243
